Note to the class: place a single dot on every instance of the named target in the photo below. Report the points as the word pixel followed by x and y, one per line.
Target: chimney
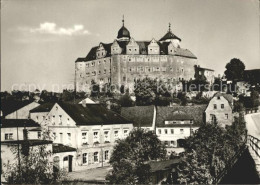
pixel 84 103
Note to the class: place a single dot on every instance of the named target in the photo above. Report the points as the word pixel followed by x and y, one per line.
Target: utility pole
pixel 101 145
pixel 18 147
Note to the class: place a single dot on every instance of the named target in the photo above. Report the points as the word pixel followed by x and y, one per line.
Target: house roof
pixel 32 142
pixel 180 115
pixel 194 112
pixel 9 123
pixel 228 97
pixel 143 49
pixel 59 148
pixel 46 107
pixel 142 116
pixel 9 106
pixel 92 114
pixel 163 165
pixel 202 68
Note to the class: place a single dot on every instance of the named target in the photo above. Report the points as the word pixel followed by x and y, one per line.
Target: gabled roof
pixel 169 35
pixel 92 114
pixel 142 116
pixel 194 112
pixel 10 123
pixel 46 107
pixel 9 106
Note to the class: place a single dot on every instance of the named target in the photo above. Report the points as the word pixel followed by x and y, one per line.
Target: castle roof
pixel 169 35
pixel 123 32
pixel 143 50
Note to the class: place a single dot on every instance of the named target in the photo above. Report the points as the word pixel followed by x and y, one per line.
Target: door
pixel 70 163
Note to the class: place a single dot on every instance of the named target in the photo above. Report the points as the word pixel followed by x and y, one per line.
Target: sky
pixel 40 40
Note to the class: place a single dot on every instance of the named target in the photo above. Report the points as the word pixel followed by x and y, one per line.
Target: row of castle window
pixel 133 69
pixel 93 63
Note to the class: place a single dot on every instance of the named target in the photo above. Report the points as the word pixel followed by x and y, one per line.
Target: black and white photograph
pixel 130 92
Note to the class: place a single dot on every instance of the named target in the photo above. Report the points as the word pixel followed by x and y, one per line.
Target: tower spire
pixel 123 20
pixel 169 26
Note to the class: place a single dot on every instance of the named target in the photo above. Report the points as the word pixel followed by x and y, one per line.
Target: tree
pixel 34 167
pixel 130 156
pixel 209 151
pixel 182 97
pixel 126 101
pixel 95 89
pixel 235 70
pixel 151 92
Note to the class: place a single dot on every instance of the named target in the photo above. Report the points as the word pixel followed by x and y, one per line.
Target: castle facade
pixel 125 60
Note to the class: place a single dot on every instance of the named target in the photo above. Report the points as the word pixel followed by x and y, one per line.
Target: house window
pixel 124 78
pixel 106 136
pixel 215 106
pixel 226 116
pixel 54 135
pixel 85 158
pixel 68 121
pixel 212 117
pixel 95 156
pixel 165 131
pixel 61 137
pixel 191 121
pixel 166 143
pixel 172 131
pixel 125 133
pixel 116 134
pixel 95 137
pixel 60 119
pixel 222 106
pixel 106 155
pixel 9 136
pixel 99 72
pixel 92 63
pixel 84 137
pixel 159 131
pixel 53 120
pixel 181 131
pixel 99 62
pixel 39 134
pixel 69 137
pixel 218 97
pixel 87 65
pixel 105 71
pixel 172 143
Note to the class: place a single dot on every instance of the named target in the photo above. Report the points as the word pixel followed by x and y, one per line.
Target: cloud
pixel 52 28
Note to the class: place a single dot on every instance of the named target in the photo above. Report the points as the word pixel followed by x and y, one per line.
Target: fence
pixel 254 144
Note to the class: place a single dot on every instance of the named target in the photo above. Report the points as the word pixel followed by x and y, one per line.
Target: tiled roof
pixel 59 148
pixel 46 107
pixel 179 115
pixel 92 114
pixel 9 106
pixel 163 165
pixel 142 116
pixel 169 35
pixel 32 142
pixel 10 123
pixel 143 48
pixel 166 113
